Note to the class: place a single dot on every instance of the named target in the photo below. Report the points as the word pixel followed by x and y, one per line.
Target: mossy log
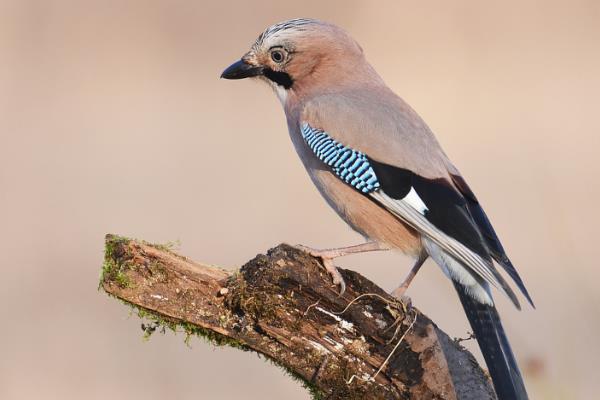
pixel 362 345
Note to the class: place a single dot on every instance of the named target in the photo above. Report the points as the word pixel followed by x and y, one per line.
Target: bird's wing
pixel 488 233
pixel 433 207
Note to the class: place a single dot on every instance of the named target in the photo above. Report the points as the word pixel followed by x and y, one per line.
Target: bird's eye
pixel 277 56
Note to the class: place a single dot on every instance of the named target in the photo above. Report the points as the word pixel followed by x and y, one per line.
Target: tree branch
pixel 362 345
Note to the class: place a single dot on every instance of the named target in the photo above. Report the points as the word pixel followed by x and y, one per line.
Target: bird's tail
pixel 501 363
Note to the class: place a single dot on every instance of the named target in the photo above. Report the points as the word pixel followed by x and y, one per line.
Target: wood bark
pixel 361 345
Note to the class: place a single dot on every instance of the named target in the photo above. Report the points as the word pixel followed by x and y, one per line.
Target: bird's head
pixel 299 56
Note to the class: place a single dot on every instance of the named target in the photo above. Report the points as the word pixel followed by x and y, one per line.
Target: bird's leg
pixel 400 290
pixel 327 256
pixel 343 251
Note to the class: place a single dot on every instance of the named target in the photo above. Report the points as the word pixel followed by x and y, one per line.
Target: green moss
pixel 312 389
pixel 116 260
pixel 108 266
pixel 113 267
pixel 153 322
pixel 122 279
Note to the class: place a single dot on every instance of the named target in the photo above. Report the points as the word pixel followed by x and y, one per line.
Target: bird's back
pixel 377 122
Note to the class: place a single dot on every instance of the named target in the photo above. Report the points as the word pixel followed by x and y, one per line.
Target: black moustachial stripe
pixel 281 78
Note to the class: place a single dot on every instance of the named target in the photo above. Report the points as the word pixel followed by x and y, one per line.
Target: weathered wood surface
pixel 362 345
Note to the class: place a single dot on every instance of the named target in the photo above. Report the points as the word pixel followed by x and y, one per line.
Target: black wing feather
pixel 489 234
pixel 448 209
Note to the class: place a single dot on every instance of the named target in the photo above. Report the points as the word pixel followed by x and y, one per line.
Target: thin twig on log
pixel 282 305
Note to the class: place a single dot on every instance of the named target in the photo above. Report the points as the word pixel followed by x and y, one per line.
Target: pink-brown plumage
pixel 379 166
pixel 361 213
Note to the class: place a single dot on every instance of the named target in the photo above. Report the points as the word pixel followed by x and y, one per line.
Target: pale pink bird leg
pixel 327 256
pixel 400 290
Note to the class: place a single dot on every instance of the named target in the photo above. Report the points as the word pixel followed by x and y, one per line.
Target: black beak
pixel 241 70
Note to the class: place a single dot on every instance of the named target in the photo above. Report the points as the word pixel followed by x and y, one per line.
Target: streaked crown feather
pixel 297 24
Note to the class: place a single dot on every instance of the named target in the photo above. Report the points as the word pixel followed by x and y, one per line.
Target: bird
pixel 380 167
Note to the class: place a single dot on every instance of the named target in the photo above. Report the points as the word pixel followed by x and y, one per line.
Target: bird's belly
pixel 364 215
pixel 361 213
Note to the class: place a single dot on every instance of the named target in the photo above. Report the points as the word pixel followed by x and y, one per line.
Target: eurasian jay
pixel 379 166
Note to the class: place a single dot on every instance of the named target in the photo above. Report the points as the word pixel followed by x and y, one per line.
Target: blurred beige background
pixel 113 119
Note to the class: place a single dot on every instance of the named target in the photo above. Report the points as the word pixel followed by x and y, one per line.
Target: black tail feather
pixel 501 363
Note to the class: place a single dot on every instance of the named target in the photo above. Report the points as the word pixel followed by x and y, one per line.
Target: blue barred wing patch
pixel 350 165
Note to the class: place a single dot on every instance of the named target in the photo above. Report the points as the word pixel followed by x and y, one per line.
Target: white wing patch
pixel 474 285
pixel 415 201
pixel 453 248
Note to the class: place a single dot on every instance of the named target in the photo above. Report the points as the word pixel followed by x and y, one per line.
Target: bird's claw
pixel 399 293
pixel 336 277
pixel 327 262
pixel 405 300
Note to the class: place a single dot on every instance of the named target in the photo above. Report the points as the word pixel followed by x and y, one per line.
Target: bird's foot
pixel 336 277
pixel 323 254
pixel 327 257
pixel 399 293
